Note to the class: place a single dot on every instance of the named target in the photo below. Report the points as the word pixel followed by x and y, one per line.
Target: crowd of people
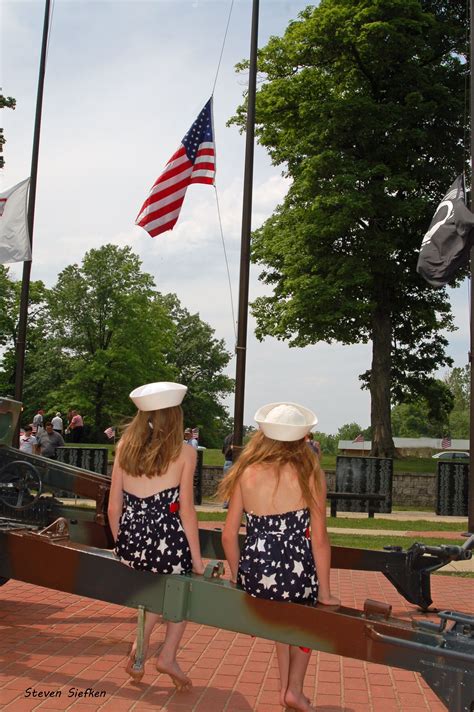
pixel 277 482
pixel 45 434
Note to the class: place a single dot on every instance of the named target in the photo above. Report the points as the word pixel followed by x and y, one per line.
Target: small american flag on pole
pixel 359 439
pixel 193 162
pixel 446 442
pixel 110 432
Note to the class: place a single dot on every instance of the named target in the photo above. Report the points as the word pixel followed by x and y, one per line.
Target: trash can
pixel 452 483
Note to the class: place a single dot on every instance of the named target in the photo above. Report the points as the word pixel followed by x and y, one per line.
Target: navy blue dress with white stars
pixel 151 536
pixel 277 561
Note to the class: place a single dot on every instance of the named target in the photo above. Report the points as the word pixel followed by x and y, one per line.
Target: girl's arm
pixel 321 546
pixel 230 534
pixel 187 511
pixel 114 510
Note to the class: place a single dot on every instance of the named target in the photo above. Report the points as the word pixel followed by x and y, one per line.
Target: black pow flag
pixel 445 247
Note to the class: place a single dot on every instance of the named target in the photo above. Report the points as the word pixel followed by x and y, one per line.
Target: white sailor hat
pixel 285 421
pixel 156 396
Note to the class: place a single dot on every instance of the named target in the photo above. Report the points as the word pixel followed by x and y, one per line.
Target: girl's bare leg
pixel 166 662
pixel 283 657
pixel 294 697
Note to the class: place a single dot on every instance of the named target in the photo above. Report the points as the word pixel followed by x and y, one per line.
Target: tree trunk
pixel 380 416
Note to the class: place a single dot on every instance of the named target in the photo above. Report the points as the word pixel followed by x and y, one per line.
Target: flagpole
pixel 25 284
pixel 470 512
pixel 241 347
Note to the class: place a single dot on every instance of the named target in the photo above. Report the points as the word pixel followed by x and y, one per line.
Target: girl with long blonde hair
pixel 278 482
pixel 151 507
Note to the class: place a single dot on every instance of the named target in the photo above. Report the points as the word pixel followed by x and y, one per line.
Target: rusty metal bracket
pixel 57 531
pixel 377 609
pixel 101 504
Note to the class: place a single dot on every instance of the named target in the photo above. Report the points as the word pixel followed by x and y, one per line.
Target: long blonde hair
pixel 264 451
pixel 152 441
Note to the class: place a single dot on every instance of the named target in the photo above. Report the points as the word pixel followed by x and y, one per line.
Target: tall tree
pixel 102 330
pixel 425 415
pixel 37 375
pixel 6 102
pixel 362 104
pixel 105 316
pixel 458 382
pixel 200 359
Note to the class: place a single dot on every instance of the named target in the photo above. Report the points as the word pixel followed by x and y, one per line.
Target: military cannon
pixel 46 542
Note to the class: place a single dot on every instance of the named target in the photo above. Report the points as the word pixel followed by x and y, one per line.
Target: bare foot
pixel 298 701
pixel 170 667
pixel 283 703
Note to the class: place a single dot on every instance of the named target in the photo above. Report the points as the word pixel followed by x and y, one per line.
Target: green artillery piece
pixel 46 543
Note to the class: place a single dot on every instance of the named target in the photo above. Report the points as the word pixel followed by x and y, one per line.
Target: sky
pixel 124 82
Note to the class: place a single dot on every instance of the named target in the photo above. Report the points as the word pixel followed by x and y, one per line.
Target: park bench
pixel 370 498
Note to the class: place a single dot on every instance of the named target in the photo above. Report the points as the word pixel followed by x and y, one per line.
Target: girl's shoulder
pixel 257 472
pixel 187 453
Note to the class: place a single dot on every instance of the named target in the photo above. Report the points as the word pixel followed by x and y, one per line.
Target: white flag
pixel 14 239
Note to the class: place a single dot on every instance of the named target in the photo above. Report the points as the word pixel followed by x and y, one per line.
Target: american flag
pixel 193 162
pixel 445 442
pixel 110 432
pixel 359 439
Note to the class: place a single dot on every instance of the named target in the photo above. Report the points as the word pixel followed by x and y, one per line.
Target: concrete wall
pixel 415 490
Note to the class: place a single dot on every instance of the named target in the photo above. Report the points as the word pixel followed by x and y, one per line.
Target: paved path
pixel 65 644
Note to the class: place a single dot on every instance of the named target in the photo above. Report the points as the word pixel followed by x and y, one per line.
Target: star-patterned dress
pixel 151 536
pixel 277 561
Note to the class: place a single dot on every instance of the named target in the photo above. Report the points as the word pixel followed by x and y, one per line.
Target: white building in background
pixel 420 447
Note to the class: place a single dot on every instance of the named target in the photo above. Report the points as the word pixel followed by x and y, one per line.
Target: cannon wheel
pixel 19 477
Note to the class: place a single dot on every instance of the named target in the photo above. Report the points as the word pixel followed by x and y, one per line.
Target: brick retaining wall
pixel 415 490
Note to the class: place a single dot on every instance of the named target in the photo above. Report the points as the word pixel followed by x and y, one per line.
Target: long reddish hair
pixel 264 451
pixel 151 441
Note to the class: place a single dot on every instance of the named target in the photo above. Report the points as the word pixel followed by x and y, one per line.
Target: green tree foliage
pixel 362 104
pixel 102 330
pixel 106 319
pixel 37 337
pixel 425 416
pixel 6 102
pixel 328 443
pixel 200 359
pixel 459 383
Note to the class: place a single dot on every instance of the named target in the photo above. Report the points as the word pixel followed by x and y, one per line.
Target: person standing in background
pixel 76 426
pixel 28 442
pixel 38 421
pixel 314 444
pixel 57 423
pixel 189 439
pixel 48 441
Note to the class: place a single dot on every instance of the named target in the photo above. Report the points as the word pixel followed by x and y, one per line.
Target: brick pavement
pixel 64 644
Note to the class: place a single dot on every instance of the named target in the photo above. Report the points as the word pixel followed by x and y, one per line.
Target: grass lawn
pixel 343 523
pixel 328 462
pixel 213 456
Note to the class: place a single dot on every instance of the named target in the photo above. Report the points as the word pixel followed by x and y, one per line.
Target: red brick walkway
pixel 50 641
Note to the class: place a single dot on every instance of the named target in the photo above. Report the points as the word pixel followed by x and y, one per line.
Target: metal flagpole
pixel 25 284
pixel 241 347
pixel 470 513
